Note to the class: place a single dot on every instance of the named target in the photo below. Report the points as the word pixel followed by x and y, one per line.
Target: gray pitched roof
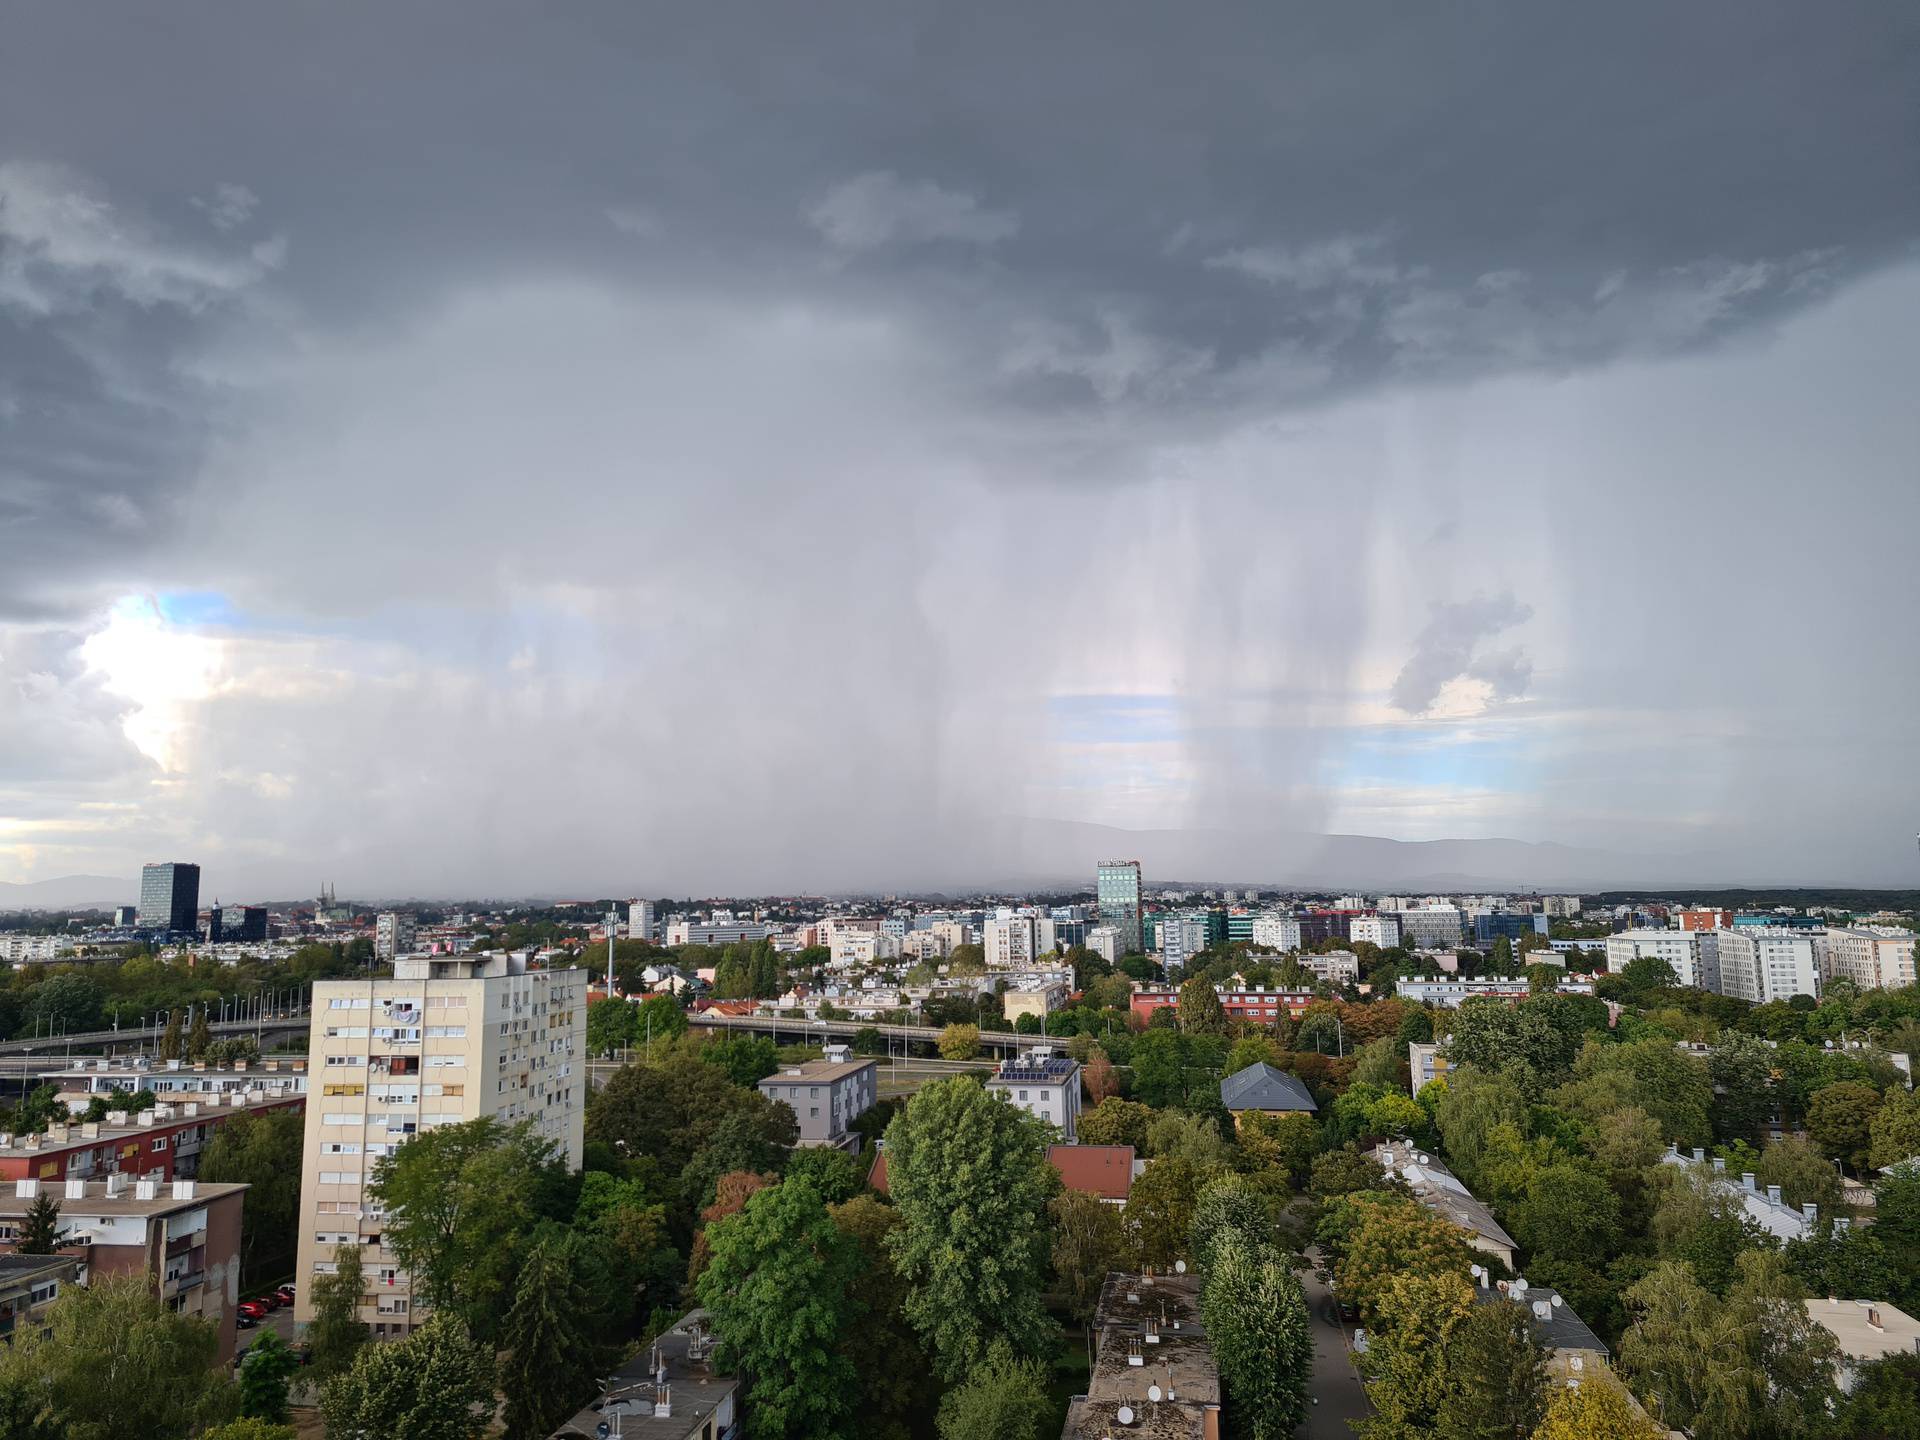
pixel 1261 1087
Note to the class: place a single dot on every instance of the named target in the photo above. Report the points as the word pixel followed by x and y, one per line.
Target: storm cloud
pixel 738 448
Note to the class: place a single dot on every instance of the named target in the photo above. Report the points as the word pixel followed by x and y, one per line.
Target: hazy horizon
pixel 893 443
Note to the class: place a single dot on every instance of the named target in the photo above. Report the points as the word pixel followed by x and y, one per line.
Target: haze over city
pixel 752 450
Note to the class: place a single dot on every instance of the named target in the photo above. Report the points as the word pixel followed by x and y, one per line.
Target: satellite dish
pixel 1179 1267
pixel 1124 1414
pixel 1557 1300
pixel 1153 1392
pixel 1476 1271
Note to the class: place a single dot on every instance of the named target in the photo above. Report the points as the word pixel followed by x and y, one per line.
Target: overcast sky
pixel 459 448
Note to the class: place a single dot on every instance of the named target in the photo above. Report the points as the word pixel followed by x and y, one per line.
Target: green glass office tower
pixel 1117 891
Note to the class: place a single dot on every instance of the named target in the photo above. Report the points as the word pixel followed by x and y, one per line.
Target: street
pixel 1336 1385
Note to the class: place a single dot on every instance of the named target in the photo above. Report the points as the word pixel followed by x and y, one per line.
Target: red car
pixel 253 1309
pixel 270 1300
pixel 285 1292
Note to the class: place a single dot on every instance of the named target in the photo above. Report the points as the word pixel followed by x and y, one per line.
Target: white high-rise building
pixel 1761 964
pixel 639 919
pixel 447 1038
pixel 393 934
pixel 1279 932
pixel 1381 930
pixel 1431 927
pixel 1874 957
pixel 1011 942
pixel 1561 907
pixel 1105 941
pixel 1679 948
pixel 1181 938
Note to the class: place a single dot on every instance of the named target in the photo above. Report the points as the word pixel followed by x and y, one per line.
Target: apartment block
pixel 393 935
pixel 1381 930
pixel 1153 1371
pixel 163 1143
pixel 826 1096
pixel 1874 957
pixel 1431 927
pixel 1679 948
pixel 445 1039
pixel 182 1235
pixel 1761 963
pixel 1011 942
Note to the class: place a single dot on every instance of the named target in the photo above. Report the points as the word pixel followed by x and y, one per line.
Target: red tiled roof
pixel 1103 1170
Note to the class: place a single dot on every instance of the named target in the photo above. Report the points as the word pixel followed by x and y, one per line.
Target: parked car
pixel 246 1321
pixel 271 1300
pixel 285 1292
pixel 253 1308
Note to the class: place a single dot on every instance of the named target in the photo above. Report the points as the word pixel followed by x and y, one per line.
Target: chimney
pixel 146 1190
pixel 116 1185
pixel 1746 1181
pixel 1699 1155
pixel 25 1189
pixel 90 1130
pixel 145 1119
pixel 1719 1164
pixel 76 1188
pixel 1810 1212
pixel 1773 1194
pixel 183 1189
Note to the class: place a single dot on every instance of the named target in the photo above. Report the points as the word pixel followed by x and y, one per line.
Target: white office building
pixel 1679 948
pixel 1180 938
pixel 1106 942
pixel 1761 964
pixel 1381 930
pixel 1278 932
pixel 1874 957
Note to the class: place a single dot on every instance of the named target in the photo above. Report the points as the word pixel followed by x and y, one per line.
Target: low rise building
pixel 1866 1330
pixel 1381 930
pixel 826 1096
pixel 182 1235
pixel 1035 996
pixel 1043 1084
pixel 1261 1089
pixel 1426 1063
pixel 1574 1352
pixel 1153 1373
pixel 1440 1190
pixel 176 1081
pixel 1452 991
pixel 1332 967
pixel 162 1143
pixel 1256 1003
pixel 1763 1204
pixel 29 1284
pixel 669 1391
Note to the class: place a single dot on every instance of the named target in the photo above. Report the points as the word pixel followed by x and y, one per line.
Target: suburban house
pixel 826 1096
pixel 1043 1084
pixel 1437 1188
pixel 1262 1088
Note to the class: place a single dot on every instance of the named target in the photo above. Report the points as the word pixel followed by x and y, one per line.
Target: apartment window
pixel 159 1142
pixel 44 1291
pixel 813 1112
pixel 339 1177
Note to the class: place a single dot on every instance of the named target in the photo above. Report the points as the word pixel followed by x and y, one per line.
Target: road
pixel 806 1031
pixel 131 1037
pixel 1336 1388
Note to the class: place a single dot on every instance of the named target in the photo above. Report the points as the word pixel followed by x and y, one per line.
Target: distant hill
pixel 69 892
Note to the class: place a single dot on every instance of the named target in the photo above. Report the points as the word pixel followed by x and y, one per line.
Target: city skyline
pixel 611 447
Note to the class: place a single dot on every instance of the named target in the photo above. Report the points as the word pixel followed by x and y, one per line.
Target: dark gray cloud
pixel 783 405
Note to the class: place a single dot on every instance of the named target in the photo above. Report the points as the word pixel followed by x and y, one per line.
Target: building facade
pixel 1431 927
pixel 1679 948
pixel 1010 941
pixel 1119 893
pixel 170 896
pixel 1381 930
pixel 1181 937
pixel 826 1096
pixel 446 1039
pixel 1043 1084
pixel 393 936
pixel 1873 957
pixel 640 920
pixel 1760 963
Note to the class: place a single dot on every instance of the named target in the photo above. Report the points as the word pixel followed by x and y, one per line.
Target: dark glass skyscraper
pixel 1117 891
pixel 170 896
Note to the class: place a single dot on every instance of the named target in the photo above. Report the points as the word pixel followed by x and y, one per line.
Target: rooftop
pixel 1157 1319
pixel 1261 1087
pixel 1559 1328
pixel 120 1195
pixel 1866 1329
pixel 1102 1170
pixel 161 1118
pixel 1440 1190
pixel 691 1387
pixel 1035 1069
pixel 817 1072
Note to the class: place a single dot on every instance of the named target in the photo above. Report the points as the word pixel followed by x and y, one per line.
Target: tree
pixel 1568 1213
pixel 1001 1399
pixel 880 1341
pixel 172 1046
pixel 667 1110
pixel 1805 1177
pixel 458 1199
pixel 1160 1210
pixel 1256 1319
pixel 970 1178
pixel 612 1025
pixel 1598 1409
pixel 1740 1068
pixel 1840 1119
pixel 118 1362
pixel 1376 1236
pixel 753 1137
pixel 245 1428
pixel 1377 1063
pixel 1405 1366
pixel 777 1288
pixel 262 1152
pixel 200 1040
pixel 658 1018
pixel 1496 1373
pixel 1200 1009
pixel 26 1413
pixel 959 1042
pixel 550 1340
pixel 1116 1122
pixel 1884 1403
pixel 1102 1084
pixel 264 1373
pixel 40 1232
pixel 1197 1138
pixel 748 1059
pixel 1225 1208
pixel 437 1384
pixel 1089 1240
pixel 1894 1135
pixel 834 1173
pixel 1286 1142
pixel 336 1333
